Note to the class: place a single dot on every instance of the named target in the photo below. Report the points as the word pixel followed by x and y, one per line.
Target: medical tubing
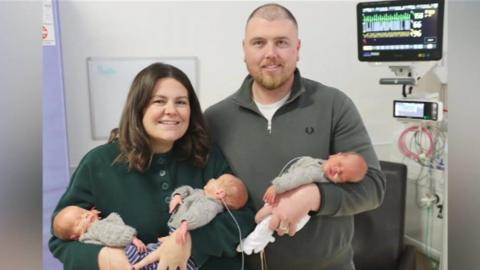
pixel 405 150
pixel 239 231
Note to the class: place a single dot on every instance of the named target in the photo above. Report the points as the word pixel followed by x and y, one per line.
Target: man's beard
pixel 267 81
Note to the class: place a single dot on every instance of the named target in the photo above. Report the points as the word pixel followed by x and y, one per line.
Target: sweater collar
pixel 163 159
pixel 243 96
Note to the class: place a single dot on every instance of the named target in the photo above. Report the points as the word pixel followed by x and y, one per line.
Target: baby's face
pixel 214 186
pixel 342 167
pixel 82 220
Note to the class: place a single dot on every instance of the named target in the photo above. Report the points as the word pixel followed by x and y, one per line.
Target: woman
pixel 161 144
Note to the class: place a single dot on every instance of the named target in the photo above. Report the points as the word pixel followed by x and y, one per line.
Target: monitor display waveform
pixel 393 34
pixel 387 17
pixel 380 26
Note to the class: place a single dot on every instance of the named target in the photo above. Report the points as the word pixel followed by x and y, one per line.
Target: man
pixel 277 115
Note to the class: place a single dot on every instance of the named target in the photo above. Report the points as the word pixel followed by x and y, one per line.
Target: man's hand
pixel 174 202
pixel 264 212
pixel 292 206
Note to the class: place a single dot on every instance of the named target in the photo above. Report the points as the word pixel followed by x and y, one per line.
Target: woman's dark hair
pixel 134 141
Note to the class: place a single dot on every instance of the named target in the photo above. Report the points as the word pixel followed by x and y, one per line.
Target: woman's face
pixel 167 116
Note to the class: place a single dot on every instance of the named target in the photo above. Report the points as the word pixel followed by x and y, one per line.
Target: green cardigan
pixel 142 200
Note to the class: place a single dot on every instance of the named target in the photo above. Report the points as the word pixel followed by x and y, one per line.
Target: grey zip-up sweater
pixel 316 120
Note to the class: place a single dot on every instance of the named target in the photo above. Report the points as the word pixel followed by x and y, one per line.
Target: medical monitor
pixel 418 109
pixel 400 30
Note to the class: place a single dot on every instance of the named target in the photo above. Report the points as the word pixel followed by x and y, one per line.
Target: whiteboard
pixel 109 80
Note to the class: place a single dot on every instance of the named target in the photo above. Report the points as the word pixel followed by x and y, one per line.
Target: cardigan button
pixel 162 173
pixel 165 185
pixel 167 199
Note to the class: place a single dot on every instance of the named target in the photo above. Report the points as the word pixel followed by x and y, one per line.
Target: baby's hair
pixel 236 194
pixel 362 167
pixel 62 225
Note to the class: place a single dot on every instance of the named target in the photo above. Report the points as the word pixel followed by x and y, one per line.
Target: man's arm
pixel 350 134
pixel 292 206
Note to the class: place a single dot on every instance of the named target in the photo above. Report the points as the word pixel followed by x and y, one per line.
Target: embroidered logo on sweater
pixel 309 130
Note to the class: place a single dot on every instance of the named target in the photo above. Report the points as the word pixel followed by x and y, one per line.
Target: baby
pixel 76 223
pixel 338 168
pixel 193 208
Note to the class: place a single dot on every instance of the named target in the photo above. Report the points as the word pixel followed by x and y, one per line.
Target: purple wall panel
pixel 55 146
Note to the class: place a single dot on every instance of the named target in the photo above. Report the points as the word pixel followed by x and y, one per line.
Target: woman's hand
pixel 113 259
pixel 181 233
pixel 171 254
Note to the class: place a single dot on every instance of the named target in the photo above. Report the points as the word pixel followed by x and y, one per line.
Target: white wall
pixel 213 32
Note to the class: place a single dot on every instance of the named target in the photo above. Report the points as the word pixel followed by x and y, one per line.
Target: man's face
pixel 271 51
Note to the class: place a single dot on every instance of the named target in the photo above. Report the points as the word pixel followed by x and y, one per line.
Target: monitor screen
pixel 400 30
pixel 409 109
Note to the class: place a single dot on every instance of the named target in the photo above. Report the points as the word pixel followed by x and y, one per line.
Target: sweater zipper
pixel 269 127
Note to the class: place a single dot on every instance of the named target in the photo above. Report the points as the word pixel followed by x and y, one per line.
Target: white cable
pixel 239 230
pixel 289 163
pixel 263 260
pixel 262 252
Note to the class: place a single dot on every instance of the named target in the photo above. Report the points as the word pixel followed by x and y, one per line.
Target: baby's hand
pixel 95 212
pixel 139 244
pixel 270 195
pixel 181 233
pixel 174 202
